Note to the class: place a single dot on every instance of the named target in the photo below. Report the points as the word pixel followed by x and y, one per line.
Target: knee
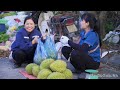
pixel 31 50
pixel 64 50
pixel 74 54
pixel 19 53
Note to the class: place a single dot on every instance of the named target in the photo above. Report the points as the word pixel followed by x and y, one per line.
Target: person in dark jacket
pixel 86 54
pixel 24 46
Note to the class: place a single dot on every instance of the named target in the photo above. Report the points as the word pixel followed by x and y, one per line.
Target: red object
pixel 17 20
pixel 69 21
pixel 25 74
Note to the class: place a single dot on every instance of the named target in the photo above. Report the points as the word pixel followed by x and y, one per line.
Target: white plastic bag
pixel 11 23
pixel 21 13
pixel 64 41
pixel 10 56
pixel 59 46
pixel 44 26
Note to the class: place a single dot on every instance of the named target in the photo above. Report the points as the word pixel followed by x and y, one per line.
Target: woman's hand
pixel 35 40
pixel 44 36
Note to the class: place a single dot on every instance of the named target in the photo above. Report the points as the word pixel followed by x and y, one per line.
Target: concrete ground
pixel 8 72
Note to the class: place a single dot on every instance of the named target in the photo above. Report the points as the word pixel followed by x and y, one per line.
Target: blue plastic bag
pixel 40 53
pixel 50 48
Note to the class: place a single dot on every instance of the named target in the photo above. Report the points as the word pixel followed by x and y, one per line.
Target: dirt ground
pixel 8 72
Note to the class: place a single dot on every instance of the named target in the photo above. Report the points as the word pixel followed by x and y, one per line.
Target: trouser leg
pixel 19 56
pixel 30 56
pixel 82 61
pixel 66 51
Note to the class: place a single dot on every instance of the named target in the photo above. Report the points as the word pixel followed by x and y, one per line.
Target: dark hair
pixel 93 23
pixel 29 17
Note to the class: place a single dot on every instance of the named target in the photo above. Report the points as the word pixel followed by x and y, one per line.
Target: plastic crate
pixel 2 28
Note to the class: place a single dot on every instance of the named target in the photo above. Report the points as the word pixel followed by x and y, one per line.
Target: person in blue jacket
pixel 24 46
pixel 86 54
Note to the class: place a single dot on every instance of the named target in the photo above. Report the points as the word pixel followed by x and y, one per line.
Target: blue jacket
pixel 91 39
pixel 24 40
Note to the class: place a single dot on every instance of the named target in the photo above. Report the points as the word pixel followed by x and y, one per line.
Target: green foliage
pixel 7 14
pixel 109 27
pixel 3 37
pixel 112 20
pixel 3 21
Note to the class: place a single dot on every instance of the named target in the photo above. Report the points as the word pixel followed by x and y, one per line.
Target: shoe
pixel 78 71
pixel 82 75
pixel 16 66
pixel 24 64
pixel 27 62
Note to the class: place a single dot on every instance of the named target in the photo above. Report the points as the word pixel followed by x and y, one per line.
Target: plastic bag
pixel 10 56
pixel 50 48
pixel 44 26
pixel 11 23
pixel 58 46
pixel 40 53
pixel 64 40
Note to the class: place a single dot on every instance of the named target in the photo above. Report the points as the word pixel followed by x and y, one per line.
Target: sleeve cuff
pixel 43 40
pixel 70 42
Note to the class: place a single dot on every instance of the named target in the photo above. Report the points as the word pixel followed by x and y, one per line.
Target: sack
pixel 40 53
pixel 50 48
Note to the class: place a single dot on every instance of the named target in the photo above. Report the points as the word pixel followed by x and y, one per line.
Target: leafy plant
pixel 109 27
pixel 7 14
pixel 3 37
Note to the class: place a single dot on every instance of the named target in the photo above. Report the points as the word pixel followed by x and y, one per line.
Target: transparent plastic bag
pixel 40 53
pixel 50 48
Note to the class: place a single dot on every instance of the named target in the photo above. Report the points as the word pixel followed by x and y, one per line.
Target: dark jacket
pixel 24 40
